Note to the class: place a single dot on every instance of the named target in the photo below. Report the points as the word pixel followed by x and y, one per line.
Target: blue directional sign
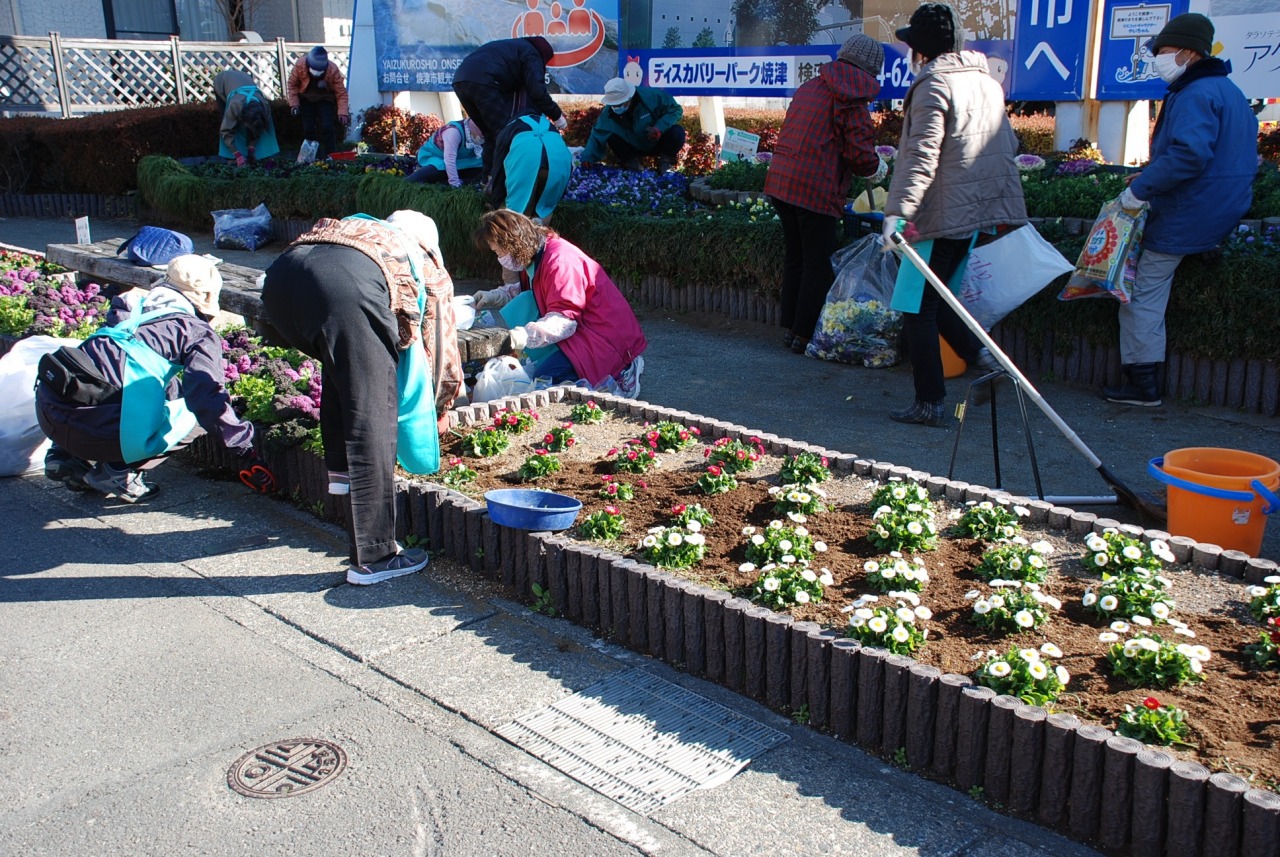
pixel 1048 50
pixel 1125 68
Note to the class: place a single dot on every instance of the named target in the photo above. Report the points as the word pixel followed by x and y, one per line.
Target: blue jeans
pixel 556 367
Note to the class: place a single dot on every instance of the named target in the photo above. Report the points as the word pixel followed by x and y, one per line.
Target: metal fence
pixel 69 77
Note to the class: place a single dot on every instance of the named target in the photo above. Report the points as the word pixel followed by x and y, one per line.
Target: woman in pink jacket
pixel 574 323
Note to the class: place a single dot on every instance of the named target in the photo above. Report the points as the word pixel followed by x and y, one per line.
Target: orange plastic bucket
pixel 953 365
pixel 1219 496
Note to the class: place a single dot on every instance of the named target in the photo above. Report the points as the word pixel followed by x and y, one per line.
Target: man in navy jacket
pixel 1198 184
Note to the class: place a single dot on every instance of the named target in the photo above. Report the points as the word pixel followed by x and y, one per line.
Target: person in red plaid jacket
pixel 826 140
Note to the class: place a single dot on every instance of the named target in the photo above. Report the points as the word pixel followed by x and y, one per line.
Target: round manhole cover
pixel 287 768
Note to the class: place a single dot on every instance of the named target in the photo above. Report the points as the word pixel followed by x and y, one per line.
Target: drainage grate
pixel 640 740
pixel 287 768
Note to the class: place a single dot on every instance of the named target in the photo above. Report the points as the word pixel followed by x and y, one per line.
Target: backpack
pixel 156 246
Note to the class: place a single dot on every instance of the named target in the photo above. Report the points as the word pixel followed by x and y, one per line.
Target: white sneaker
pixel 397 565
pixel 126 485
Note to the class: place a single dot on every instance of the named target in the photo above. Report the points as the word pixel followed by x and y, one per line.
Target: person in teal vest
pixel 247 132
pixel 452 154
pixel 158 371
pixel 532 166
pixel 637 121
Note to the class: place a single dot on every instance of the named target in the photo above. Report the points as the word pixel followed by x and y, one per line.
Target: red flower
pixel 455 461
pixel 549 438
pixel 652 436
pixel 611 490
pixel 1152 703
pixel 606 478
pixel 642 484
pixel 512 420
pixel 678 509
pixel 695 430
pixel 567 425
pixel 824 461
pixel 742 454
pixel 613 451
pixel 684 435
pixel 706 453
pixel 538 451
pixel 631 455
pixel 591 403
pixel 612 510
pixel 570 441
pixel 713 470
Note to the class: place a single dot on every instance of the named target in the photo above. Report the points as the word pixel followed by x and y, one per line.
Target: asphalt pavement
pixel 144 649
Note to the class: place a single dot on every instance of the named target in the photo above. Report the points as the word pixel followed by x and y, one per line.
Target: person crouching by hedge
pixel 316 92
pixel 364 296
pixel 452 154
pixel 142 387
pixel 531 170
pixel 826 139
pixel 565 313
pixel 955 177
pixel 247 132
pixel 637 121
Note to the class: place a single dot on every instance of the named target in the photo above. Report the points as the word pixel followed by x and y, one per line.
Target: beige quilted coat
pixel 955 171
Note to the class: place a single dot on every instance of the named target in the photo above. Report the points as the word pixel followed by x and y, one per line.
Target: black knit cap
pixel 1190 30
pixel 931 31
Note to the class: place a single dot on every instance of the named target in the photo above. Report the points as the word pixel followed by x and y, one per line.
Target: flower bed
pixel 39 298
pixel 1229 712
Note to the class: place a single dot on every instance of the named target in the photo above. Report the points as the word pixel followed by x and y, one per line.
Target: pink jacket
pixel 573 284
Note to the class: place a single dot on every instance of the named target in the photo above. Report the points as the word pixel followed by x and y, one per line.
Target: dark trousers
pixel 431 173
pixel 666 146
pixel 491 109
pixel 331 303
pixel 320 123
pixel 809 240
pixel 920 329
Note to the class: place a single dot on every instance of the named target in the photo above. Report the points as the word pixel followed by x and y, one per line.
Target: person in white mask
pixel 1198 184
pixel 636 122
pixel 316 92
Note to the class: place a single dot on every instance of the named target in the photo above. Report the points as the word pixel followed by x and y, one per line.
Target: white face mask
pixel 1167 67
pixel 316 72
pixel 914 64
pixel 620 108
pixel 510 263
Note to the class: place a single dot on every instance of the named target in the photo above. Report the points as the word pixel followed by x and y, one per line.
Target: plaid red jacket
pixel 826 139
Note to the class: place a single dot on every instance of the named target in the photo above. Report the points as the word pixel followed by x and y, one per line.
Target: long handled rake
pixel 1123 493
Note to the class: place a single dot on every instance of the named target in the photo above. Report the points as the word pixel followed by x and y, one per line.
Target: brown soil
pixel 1234 714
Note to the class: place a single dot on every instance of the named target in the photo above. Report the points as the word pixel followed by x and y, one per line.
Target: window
pixel 201 21
pixel 140 19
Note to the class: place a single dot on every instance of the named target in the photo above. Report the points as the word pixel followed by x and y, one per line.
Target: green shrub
pixel 740 175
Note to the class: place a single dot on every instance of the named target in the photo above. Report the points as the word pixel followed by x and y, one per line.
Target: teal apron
pixel 150 424
pixel 431 155
pixel 266 145
pixel 524 161
pixel 908 289
pixel 417 437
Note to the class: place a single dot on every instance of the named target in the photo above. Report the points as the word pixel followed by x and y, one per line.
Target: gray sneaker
pixel 406 562
pixel 126 485
pixel 62 466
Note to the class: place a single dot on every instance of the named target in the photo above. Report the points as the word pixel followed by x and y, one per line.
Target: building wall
pixel 80 19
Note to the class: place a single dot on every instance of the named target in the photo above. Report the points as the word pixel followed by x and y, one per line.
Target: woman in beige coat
pixel 955 177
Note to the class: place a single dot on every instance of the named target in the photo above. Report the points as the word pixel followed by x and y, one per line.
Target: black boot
pixel 1139 388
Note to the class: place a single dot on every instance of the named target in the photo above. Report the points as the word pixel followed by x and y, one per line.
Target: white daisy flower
pixel 1132 552
pixel 757 539
pixel 1141 620
pixel 901 634
pixel 878 624
pixel 1031 656
pixel 1024 619
pixel 771 584
pixel 1090 598
pixel 1062 675
pixel 924 612
pixel 1051 650
pixel 914 528
pixel 1160 610
pixel 1109 603
pixel 870 566
pixel 981 607
pixel 1186 632
pixel 801 531
pixel 999 669
pixel 820 547
pixel 1108 637
pixel 972 594
pixel 674 539
pixel 808 575
pixel 747 568
pixel 649 541
pixel 825 578
pixel 905 614
pixel 747 531
pixel 693 526
pixel 1148 644
pixel 1038 671
pixel 802 597
pixel 863 613
pixel 1120 627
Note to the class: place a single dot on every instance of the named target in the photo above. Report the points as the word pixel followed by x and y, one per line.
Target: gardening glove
pixel 561 123
pixel 344 118
pixel 517 339
pixel 491 299
pixel 1129 202
pixel 294 111
pixel 882 170
pixel 240 161
pixel 892 224
pixel 255 474
pixel 653 132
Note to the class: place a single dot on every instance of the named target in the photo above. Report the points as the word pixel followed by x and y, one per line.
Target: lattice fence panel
pixel 28 79
pixel 201 65
pixel 108 78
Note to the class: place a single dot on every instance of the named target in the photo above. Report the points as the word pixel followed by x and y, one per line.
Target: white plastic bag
pixel 464 311
pixel 22 443
pixel 501 377
pixel 1006 273
pixel 307 152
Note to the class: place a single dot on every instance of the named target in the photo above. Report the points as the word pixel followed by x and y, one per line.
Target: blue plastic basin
pixel 527 509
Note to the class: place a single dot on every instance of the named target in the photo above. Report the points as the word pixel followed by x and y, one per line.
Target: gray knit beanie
pixel 864 52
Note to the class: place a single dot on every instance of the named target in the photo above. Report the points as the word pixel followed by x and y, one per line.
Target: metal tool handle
pixel 900 244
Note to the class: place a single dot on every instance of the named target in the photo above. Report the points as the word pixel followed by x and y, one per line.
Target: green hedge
pixel 1227 308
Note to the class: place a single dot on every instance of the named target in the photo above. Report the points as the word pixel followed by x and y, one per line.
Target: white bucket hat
pixel 618 91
